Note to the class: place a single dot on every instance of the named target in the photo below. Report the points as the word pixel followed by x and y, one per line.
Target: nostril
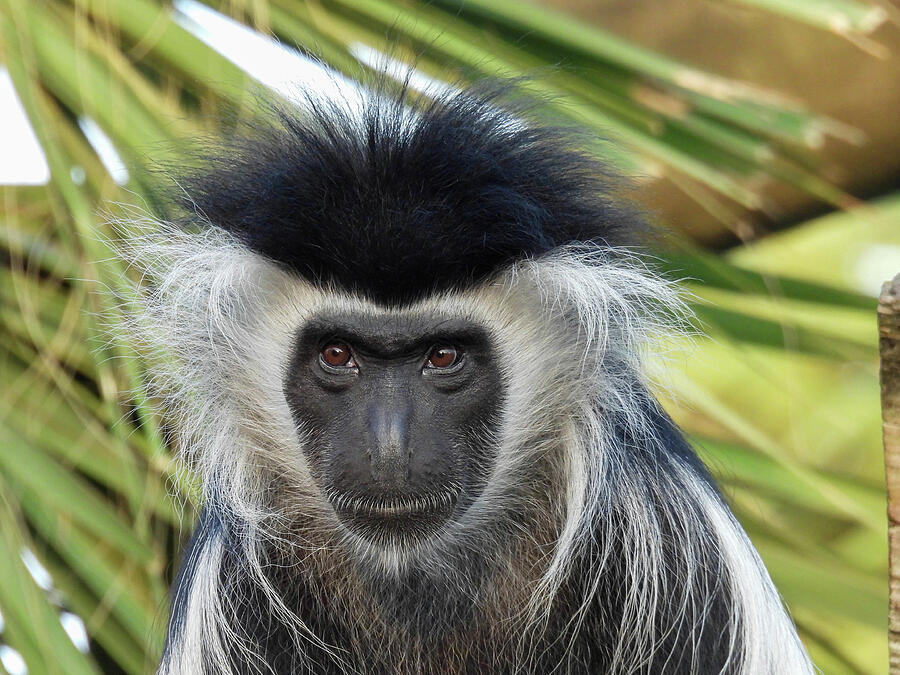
pixel 389 463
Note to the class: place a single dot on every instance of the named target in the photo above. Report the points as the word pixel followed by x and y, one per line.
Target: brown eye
pixel 443 357
pixel 337 355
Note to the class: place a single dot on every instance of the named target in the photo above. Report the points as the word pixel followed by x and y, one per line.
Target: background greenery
pixel 781 399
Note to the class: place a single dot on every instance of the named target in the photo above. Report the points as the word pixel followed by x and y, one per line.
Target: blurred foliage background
pixel 764 134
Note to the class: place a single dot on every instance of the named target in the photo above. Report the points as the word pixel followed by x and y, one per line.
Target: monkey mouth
pixel 389 518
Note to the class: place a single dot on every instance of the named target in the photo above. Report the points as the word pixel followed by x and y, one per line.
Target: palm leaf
pixel 86 477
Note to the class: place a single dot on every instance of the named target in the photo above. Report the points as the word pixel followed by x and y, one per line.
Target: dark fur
pixel 397 206
pixel 429 623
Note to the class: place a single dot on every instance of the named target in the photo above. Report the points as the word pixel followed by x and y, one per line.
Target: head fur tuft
pixel 399 197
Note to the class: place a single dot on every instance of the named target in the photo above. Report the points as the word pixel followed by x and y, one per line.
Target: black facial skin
pixel 401 433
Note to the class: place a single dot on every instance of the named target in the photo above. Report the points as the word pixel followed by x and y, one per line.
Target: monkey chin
pixel 395 521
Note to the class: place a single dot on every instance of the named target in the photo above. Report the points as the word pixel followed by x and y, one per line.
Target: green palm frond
pixel 782 404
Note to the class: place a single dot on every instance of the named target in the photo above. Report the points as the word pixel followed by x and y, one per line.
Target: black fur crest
pixel 407 196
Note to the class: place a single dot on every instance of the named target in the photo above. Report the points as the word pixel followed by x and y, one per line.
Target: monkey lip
pixel 400 515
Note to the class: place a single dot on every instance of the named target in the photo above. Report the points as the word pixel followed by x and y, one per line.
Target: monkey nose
pixel 389 444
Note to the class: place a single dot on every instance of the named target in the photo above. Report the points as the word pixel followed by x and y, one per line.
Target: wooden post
pixel 889 333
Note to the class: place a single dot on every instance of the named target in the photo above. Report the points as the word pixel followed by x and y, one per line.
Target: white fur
pixel 572 330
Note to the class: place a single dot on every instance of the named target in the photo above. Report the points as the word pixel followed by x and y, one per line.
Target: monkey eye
pixel 443 357
pixel 337 355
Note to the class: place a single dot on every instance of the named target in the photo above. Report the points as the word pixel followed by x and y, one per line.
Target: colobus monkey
pixel 409 341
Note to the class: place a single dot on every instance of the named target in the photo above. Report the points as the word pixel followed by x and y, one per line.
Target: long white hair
pixel 572 329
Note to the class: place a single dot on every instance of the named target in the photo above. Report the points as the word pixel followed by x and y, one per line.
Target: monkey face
pixel 400 415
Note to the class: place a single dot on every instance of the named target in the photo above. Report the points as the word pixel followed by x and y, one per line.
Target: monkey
pixel 408 347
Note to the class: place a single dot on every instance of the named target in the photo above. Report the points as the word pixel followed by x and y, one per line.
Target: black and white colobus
pixel 409 373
